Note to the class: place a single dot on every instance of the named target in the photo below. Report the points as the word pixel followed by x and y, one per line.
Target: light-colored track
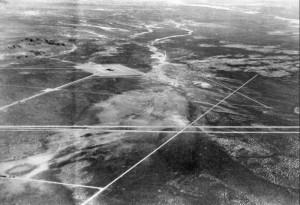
pixel 241 94
pixel 162 145
pixel 50 182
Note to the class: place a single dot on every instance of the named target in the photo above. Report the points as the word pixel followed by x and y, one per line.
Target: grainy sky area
pixel 291 5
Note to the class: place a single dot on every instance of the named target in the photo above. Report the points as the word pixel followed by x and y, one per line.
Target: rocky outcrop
pixel 36 42
pixel 36 46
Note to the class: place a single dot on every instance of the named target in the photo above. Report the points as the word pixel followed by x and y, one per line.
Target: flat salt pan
pixel 109 70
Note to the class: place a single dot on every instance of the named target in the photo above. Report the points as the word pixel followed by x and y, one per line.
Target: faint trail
pixel 28 68
pixel 49 90
pixel 132 126
pixel 161 146
pixel 96 34
pixel 241 105
pixel 236 93
pixel 149 30
pixel 75 91
pixel 206 6
pixel 65 61
pixel 74 48
pixel 200 102
pixel 51 182
pixel 174 36
pixel 163 131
